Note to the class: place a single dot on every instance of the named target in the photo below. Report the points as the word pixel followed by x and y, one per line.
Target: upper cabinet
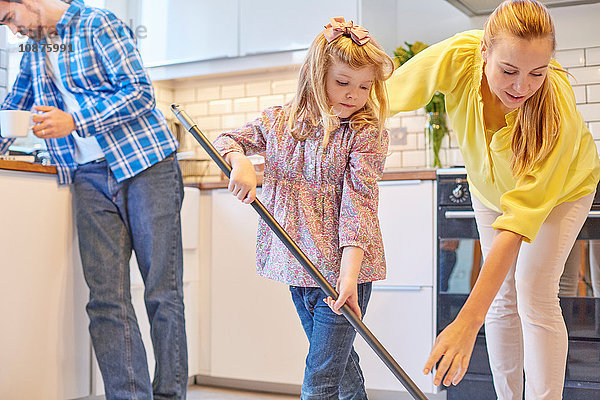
pixel 179 31
pixel 269 26
pixel 183 38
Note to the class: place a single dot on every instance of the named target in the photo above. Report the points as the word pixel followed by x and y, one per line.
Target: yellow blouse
pixel 572 170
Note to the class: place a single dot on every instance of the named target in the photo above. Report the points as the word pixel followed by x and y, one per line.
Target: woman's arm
pixel 455 344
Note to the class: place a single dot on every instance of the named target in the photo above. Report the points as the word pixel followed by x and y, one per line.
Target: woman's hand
pixel 242 180
pixel 453 346
pixel 346 285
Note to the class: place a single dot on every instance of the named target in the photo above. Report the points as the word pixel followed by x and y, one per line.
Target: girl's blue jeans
pixel 141 214
pixel 332 370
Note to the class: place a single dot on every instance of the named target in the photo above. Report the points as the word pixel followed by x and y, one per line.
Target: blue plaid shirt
pixel 105 74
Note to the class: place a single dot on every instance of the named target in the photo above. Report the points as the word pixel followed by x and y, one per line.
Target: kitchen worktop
pixel 393 175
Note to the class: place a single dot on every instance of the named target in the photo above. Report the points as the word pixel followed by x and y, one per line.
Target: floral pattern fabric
pixel 324 197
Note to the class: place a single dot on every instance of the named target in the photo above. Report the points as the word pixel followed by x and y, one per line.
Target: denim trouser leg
pixel 141 214
pixel 332 366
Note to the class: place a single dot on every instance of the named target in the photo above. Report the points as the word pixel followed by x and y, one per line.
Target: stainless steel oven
pixel 459 261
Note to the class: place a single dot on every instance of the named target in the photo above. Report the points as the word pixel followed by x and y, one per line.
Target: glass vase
pixel 435 130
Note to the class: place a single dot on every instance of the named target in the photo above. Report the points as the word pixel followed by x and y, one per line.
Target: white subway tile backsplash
pixel 197 109
pixel 593 94
pixel 590 112
pixel 206 93
pixel 220 107
pixel 592 56
pixel 414 124
pixel 284 86
pixel 185 95
pixel 247 104
pixel 261 88
pixel 413 158
pixel 289 97
pixel 232 91
pixel 268 101
pixel 208 123
pixel 393 161
pixel 579 92
pixel 232 121
pixel 586 75
pixel 571 58
pixel 595 129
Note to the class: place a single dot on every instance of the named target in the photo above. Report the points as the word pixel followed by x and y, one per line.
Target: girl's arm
pixel 455 344
pixel 242 181
pixel 346 285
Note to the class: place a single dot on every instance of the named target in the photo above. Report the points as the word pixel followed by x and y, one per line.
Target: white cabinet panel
pixel 402 320
pixel 255 332
pixel 44 341
pixel 183 30
pixel 267 25
pixel 406 210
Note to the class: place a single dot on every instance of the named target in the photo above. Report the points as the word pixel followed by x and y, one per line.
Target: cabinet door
pixel 406 210
pixel 180 30
pixel 267 25
pixel 255 331
pixel 402 320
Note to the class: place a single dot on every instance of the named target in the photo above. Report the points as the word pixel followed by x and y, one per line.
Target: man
pixel 96 112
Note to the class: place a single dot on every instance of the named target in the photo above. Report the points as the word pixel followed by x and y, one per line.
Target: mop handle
pixel 356 322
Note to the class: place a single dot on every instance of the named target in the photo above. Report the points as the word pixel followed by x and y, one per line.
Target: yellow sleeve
pixel 526 207
pixel 441 67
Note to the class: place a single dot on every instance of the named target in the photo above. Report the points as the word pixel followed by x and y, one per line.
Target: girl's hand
pixel 242 180
pixel 346 284
pixel 348 294
pixel 454 347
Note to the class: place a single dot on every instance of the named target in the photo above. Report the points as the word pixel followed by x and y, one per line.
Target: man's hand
pixel 52 123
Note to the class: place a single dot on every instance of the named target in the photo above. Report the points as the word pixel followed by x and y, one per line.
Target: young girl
pixel 533 169
pixel 324 153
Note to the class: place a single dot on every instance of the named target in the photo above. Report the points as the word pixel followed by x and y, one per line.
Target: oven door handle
pixel 459 214
pixel 594 214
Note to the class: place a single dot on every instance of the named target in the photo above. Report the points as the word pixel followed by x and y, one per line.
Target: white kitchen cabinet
pixel 255 333
pixel 268 25
pixel 406 215
pixel 402 320
pixel 44 342
pixel 176 31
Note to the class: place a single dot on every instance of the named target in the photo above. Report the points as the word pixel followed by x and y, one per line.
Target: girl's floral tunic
pixel 325 198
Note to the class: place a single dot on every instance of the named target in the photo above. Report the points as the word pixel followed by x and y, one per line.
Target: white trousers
pixel 524 327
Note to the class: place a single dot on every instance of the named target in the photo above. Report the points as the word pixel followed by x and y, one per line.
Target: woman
pixel 533 169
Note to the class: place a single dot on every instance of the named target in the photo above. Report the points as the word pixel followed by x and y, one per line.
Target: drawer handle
pixel 459 214
pixel 390 288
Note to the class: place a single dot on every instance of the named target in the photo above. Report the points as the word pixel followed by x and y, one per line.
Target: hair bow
pixel 338 26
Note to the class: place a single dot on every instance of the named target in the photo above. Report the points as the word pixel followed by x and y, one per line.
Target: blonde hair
pixel 536 128
pixel 310 101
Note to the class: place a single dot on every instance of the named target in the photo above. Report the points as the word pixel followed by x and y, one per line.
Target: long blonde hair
pixel 310 103
pixel 536 128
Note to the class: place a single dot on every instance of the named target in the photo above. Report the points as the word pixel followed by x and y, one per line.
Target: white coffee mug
pixel 15 123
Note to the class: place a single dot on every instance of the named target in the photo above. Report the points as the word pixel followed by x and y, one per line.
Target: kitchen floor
pixel 213 393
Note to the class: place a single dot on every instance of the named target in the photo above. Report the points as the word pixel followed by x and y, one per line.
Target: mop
pixel 356 322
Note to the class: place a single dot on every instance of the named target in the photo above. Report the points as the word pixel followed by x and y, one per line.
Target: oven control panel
pixel 454 191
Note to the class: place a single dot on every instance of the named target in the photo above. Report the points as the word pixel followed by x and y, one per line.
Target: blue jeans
pixel 332 370
pixel 140 214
